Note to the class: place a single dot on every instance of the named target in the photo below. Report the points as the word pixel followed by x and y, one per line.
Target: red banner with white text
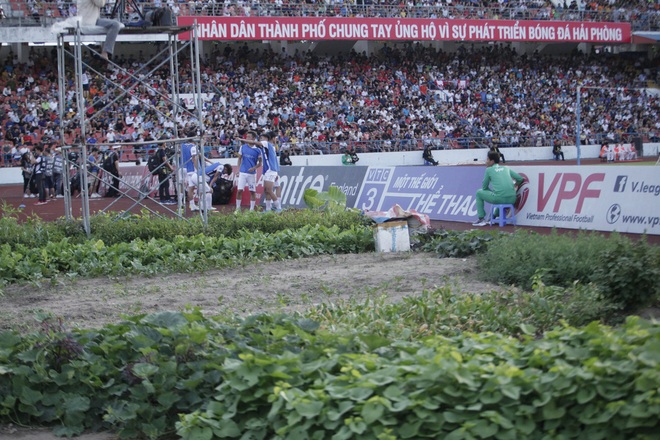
pixel 403 29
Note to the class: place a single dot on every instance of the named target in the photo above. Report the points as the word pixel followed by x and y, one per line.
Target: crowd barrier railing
pixel 215 149
pixel 307 147
pixel 212 149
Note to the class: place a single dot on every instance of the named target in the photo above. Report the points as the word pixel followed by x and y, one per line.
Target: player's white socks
pixel 269 205
pixel 238 204
pixel 278 204
pixel 252 202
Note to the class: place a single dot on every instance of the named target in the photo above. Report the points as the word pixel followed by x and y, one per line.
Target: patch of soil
pixel 276 286
pixel 267 287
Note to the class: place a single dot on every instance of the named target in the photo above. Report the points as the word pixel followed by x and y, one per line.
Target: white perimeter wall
pixel 403 158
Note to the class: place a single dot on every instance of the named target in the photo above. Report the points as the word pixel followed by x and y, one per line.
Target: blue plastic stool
pixel 502 219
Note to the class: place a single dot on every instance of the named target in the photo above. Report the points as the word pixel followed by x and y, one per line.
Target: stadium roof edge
pixel 645 37
pixel 128 34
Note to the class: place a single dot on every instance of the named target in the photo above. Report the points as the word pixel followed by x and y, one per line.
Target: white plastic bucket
pixel 392 237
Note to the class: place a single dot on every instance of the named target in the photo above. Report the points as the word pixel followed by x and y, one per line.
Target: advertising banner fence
pixel 444 193
pixel 613 198
pixel 602 198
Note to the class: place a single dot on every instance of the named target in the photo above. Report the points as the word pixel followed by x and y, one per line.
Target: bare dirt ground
pixel 278 286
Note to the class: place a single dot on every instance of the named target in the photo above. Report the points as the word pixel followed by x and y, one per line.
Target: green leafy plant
pixel 414 369
pixel 31 231
pixel 279 376
pixel 456 244
pixel 469 386
pixel 447 310
pixel 95 258
pixel 625 272
pixel 333 201
pixel 563 259
pixel 629 274
pixel 112 229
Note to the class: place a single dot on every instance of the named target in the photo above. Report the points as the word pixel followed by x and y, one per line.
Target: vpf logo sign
pixel 568 186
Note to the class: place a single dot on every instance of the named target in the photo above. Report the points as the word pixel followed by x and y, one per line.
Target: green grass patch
pixel 449 311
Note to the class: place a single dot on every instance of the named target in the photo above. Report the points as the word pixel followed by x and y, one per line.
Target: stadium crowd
pixel 639 12
pixel 642 14
pixel 393 100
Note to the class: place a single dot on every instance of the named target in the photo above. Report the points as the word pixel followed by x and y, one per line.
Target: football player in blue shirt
pixel 271 168
pixel 249 161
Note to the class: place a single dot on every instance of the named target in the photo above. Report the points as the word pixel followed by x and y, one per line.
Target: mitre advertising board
pixel 296 179
pixel 236 28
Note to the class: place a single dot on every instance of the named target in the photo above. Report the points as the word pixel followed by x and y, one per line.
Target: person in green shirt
pixel 349 157
pixel 497 187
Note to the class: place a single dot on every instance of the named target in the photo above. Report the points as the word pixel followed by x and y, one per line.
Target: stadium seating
pixel 528 99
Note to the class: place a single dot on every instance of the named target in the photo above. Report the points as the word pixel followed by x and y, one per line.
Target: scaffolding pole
pixel 70 51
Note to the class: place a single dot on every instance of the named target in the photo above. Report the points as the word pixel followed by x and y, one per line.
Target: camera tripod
pixel 119 10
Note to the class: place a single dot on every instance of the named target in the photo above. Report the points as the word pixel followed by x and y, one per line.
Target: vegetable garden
pixel 560 353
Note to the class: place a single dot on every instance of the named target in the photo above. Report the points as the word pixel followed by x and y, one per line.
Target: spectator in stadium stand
pixel 496 149
pixel 311 97
pixel 428 156
pixel 556 150
pixel 285 159
pixel 14 133
pixel 597 10
pixel 90 15
pixel 15 156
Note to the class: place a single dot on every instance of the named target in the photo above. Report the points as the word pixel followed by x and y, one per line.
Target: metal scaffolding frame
pixel 70 72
